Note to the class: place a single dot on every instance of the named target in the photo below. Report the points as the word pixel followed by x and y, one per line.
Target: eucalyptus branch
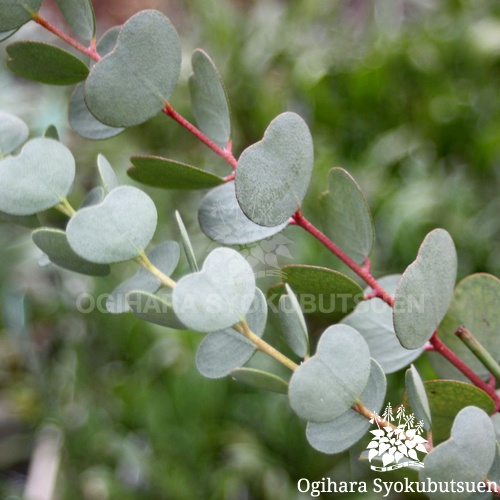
pixel 165 280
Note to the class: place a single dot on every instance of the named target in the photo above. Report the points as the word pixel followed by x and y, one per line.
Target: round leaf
pixel 260 379
pixel 38 178
pixel 169 174
pixel 209 99
pixel 186 243
pixel 45 63
pixel 467 456
pixel 329 383
pixel 347 429
pixel 346 217
pixel 15 13
pixel 153 309
pixel 293 323
pixel 79 14
pixel 108 176
pixel 219 295
pixel 273 175
pixel 373 319
pixel 116 230
pixel 221 219
pixel 135 80
pixel 425 290
pixel 220 352
pixel 417 397
pixel 13 133
pixel 54 243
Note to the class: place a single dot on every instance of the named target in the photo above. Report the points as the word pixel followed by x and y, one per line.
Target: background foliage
pixel 402 93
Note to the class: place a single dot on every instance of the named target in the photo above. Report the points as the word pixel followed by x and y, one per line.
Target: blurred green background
pixel 402 93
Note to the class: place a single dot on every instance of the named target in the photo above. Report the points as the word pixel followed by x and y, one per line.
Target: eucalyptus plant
pixel 127 77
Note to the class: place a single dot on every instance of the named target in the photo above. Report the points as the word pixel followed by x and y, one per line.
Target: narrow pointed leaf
pixel 135 80
pixel 273 175
pixel 425 291
pixel 79 14
pixel 346 217
pixel 169 174
pixel 153 309
pixel 209 99
pixel 417 397
pixel 17 13
pixel 293 323
pixel 45 63
pixel 186 243
pixel 108 176
pixel 13 133
pixel 54 243
pixel 260 379
pixel 38 178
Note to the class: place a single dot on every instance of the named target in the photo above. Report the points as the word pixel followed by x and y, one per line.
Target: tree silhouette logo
pixel 398 442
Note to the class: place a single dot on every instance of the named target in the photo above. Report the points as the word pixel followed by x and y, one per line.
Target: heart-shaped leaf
pixel 218 296
pixel 417 397
pixel 293 323
pixel 154 309
pixel 186 243
pixel 346 217
pixel 373 319
pixel 475 305
pixel 322 291
pixel 116 230
pixel 135 80
pixel 16 13
pixel 466 457
pixel 209 99
pixel 329 383
pixel 425 290
pixel 13 133
pixel 273 175
pixel 38 178
pixel 45 63
pixel 169 174
pixel 223 351
pixel 55 244
pixel 342 432
pixel 260 379
pixel 108 176
pixel 165 257
pixel 221 219
pixel 446 398
pixel 79 14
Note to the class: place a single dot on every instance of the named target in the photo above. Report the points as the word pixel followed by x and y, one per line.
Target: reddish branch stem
pixel 223 153
pixel 446 352
pixel 88 51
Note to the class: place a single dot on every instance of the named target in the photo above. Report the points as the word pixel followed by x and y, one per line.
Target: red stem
pixel 362 272
pixel 223 153
pixel 90 51
pixel 444 350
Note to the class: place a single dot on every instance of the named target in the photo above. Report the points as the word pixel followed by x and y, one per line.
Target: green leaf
pixel 293 323
pixel 116 230
pixel 447 398
pixel 322 291
pixel 108 176
pixel 329 383
pixel 94 196
pixel 134 82
pixel 13 133
pixel 40 177
pixel 45 63
pixel 209 99
pixel 260 379
pixel 51 133
pixel 425 290
pixel 54 243
pixel 342 432
pixel 221 219
pixel 153 309
pixel 373 319
pixel 222 351
pixel 15 13
pixel 169 174
pixel 273 174
pixel 79 14
pixel 417 397
pixel 165 257
pixel 346 217
pixel 186 243
pixel 475 305
pixel 4 35
pixel 219 295
pixel 466 457
pixel 108 41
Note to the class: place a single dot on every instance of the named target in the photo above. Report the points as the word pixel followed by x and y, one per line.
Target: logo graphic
pixel 396 444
